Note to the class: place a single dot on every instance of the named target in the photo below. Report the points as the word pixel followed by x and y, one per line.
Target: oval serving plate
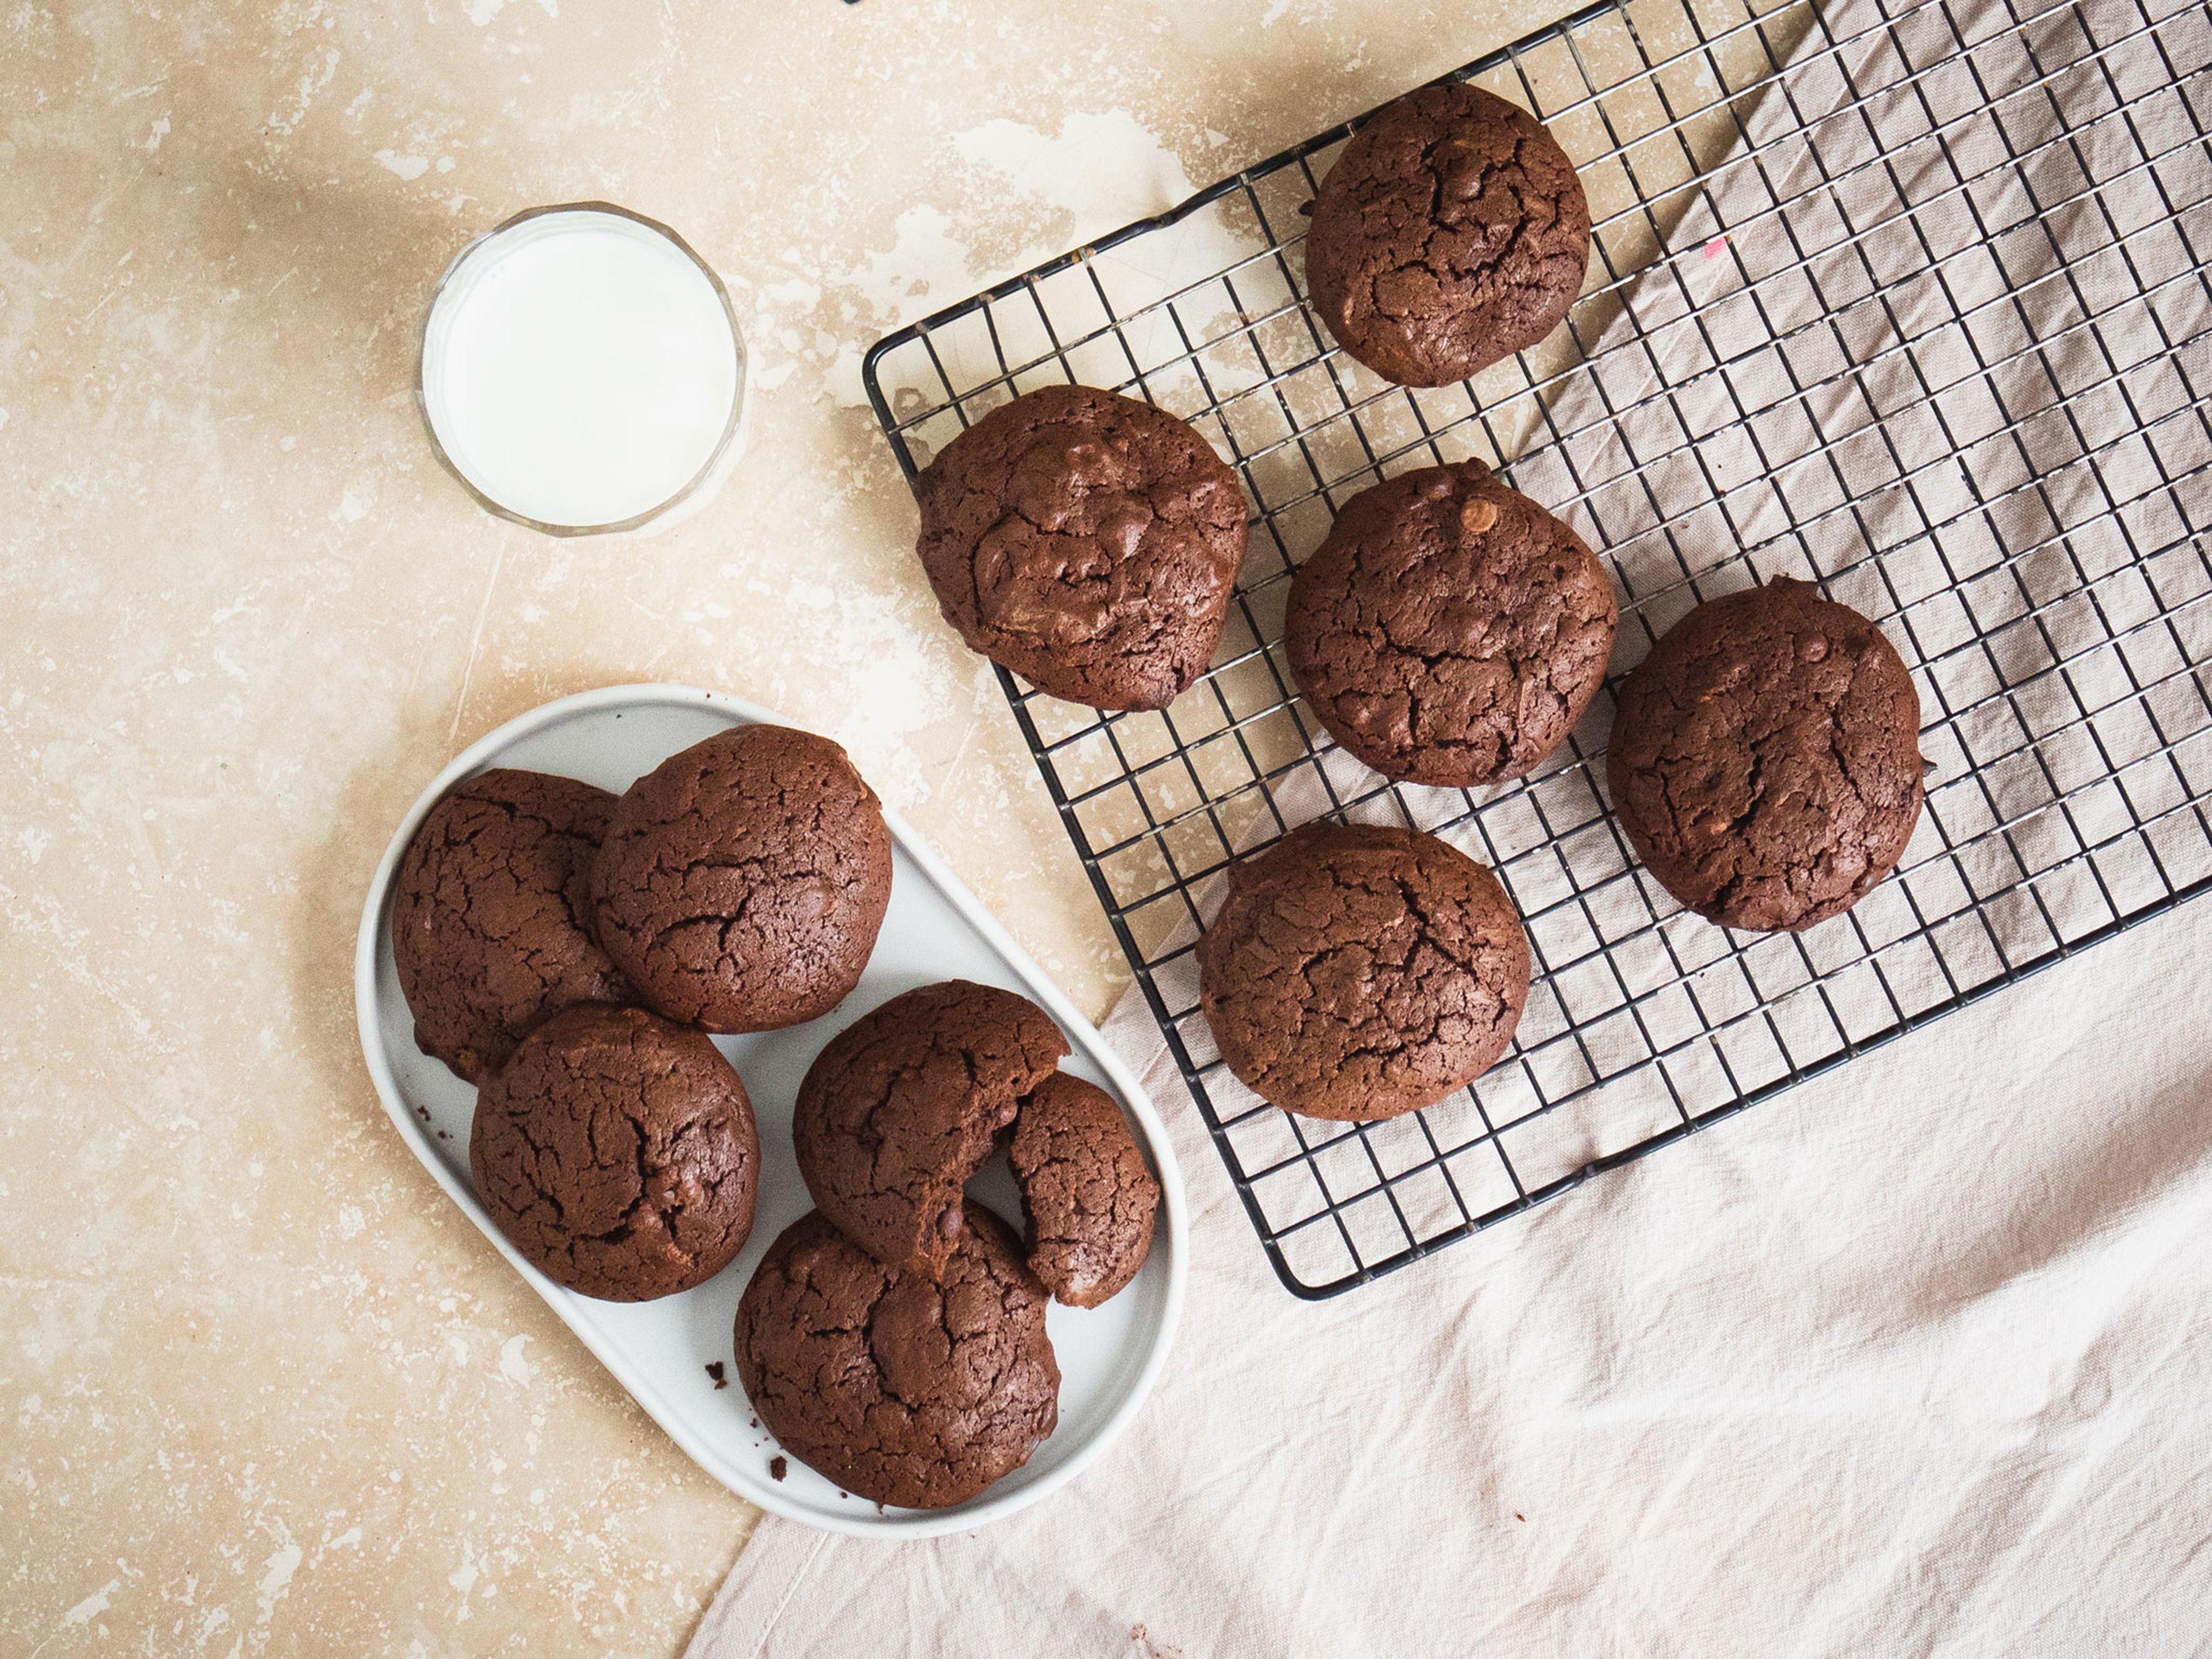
pixel 660 1351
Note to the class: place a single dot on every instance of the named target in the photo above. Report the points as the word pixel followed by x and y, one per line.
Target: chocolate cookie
pixel 1086 1191
pixel 742 882
pixel 1451 233
pixel 1357 972
pixel 618 1153
pixel 490 923
pixel 900 1388
pixel 904 1105
pixel 1766 758
pixel 1088 541
pixel 1449 630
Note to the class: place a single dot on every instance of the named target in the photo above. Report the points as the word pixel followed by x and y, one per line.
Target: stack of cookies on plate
pixel 1449 631
pixel 895 1339
pixel 573 953
pixel 569 951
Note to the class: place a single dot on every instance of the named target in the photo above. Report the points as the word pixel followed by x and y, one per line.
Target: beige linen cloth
pixel 1916 1359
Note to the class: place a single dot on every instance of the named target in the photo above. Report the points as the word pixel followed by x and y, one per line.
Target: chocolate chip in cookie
pixel 1087 1194
pixel 491 915
pixel 902 1389
pixel 906 1103
pixel 1449 630
pixel 1766 758
pixel 1357 971
pixel 618 1153
pixel 1088 541
pixel 742 882
pixel 1451 233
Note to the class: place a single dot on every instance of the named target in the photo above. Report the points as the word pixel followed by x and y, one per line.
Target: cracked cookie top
pixel 742 882
pixel 1766 758
pixel 1451 233
pixel 901 1388
pixel 1357 971
pixel 618 1153
pixel 490 926
pixel 1087 1194
pixel 905 1104
pixel 1088 541
pixel 1449 630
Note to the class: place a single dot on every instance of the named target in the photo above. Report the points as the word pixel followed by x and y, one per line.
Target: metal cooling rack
pixel 1911 299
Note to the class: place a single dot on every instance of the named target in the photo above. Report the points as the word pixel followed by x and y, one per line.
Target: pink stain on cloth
pixel 1898 1362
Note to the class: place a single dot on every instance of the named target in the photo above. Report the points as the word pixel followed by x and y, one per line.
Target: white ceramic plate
pixel 660 1351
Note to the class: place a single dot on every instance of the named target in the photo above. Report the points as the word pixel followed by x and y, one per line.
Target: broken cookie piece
pixel 907 1102
pixel 1087 1194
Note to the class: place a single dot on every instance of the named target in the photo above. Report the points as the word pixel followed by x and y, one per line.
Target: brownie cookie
pixel 900 1388
pixel 618 1153
pixel 1087 542
pixel 1086 1192
pixel 490 926
pixel 1449 630
pixel 1451 233
pixel 1766 758
pixel 742 882
pixel 904 1105
pixel 1357 972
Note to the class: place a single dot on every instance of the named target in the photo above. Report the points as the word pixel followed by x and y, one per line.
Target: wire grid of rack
pixel 1908 299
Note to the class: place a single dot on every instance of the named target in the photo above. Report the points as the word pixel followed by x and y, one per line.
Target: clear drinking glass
pixel 581 372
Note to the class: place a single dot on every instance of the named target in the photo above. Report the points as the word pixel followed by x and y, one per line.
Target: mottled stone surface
pixel 262 1388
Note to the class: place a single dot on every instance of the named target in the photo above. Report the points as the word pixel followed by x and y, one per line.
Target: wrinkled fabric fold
pixel 1911 1359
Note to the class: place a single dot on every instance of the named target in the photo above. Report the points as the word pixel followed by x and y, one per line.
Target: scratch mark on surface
pixel 475 643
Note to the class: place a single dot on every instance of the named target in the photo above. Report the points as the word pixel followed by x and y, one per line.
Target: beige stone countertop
pixel 262 1389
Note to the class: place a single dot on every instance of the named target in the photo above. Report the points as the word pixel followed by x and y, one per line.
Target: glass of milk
pixel 582 372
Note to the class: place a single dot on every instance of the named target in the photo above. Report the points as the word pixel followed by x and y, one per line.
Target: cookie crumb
pixel 780 1466
pixel 1517 1515
pixel 714 1370
pixel 1089 1198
